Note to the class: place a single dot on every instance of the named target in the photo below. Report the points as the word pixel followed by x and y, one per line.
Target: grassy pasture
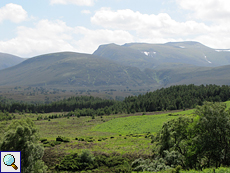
pixel 124 134
pixel 118 126
pixel 138 124
pixel 82 128
pixel 106 140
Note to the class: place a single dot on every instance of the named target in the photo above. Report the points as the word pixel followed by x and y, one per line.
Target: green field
pixel 111 134
pixel 138 124
pixel 125 134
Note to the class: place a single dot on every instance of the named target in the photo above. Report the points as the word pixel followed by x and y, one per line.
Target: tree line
pixel 171 98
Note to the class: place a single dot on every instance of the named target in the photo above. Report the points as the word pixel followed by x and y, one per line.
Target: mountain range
pixel 129 65
pixel 157 55
pixel 68 69
pixel 7 60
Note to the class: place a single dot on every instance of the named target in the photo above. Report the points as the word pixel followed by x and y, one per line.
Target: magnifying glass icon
pixel 9 160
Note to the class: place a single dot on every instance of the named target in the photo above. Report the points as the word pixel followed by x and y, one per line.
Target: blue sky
pixel 30 28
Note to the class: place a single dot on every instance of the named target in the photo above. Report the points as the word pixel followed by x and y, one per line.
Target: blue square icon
pixel 10 161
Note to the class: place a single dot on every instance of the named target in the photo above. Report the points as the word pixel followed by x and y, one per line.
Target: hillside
pixel 125 56
pixel 8 60
pixel 72 69
pixel 136 65
pixel 156 55
pixel 191 75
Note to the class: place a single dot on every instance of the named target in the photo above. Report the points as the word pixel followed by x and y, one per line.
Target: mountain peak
pixel 8 60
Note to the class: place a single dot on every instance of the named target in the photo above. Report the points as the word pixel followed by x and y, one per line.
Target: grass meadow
pixel 123 134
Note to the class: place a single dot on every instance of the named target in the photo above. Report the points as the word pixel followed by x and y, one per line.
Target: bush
pixel 148 165
pixel 62 139
pixel 57 142
pixel 47 145
pixel 75 162
pixel 90 140
pixel 53 143
pixel 43 139
pixel 66 140
pixel 45 142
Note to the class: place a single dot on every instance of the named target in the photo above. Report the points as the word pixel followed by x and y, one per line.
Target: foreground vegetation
pixel 193 139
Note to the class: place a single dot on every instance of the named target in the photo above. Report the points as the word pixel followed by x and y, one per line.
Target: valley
pixel 128 108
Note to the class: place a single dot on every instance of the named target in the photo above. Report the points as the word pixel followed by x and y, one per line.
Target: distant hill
pixel 191 75
pixel 7 60
pixel 156 55
pixel 125 56
pixel 131 65
pixel 67 69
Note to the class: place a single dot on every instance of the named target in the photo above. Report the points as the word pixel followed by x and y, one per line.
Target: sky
pixel 33 27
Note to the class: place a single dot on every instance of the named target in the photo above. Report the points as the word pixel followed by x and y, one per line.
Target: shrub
pixel 47 145
pixel 59 138
pixel 81 139
pixel 62 139
pixel 45 142
pixel 43 139
pixel 66 140
pixel 57 142
pixel 148 165
pixel 75 162
pixel 90 140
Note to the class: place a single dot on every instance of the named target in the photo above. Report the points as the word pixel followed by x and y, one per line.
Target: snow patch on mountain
pixel 146 53
pixel 223 50
pixel 207 59
pixel 149 53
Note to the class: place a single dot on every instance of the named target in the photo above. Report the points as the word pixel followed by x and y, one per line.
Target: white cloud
pixel 45 37
pixel 86 12
pixel 207 9
pixel 13 12
pixel 121 26
pixel 93 38
pixel 162 28
pixel 76 2
pixel 55 36
pixel 146 25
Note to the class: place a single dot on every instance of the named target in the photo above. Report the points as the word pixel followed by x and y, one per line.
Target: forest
pixel 172 98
